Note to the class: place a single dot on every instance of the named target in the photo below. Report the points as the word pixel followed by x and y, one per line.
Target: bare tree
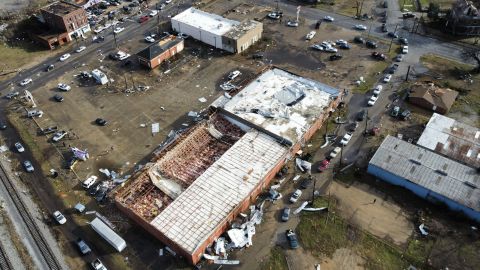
pixel 473 53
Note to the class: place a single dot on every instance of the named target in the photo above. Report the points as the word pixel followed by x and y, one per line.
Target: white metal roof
pixel 423 167
pixel 264 103
pixel 451 138
pixel 205 205
pixel 209 22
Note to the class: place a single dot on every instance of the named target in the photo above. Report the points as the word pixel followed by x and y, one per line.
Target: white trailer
pixel 99 76
pixel 108 234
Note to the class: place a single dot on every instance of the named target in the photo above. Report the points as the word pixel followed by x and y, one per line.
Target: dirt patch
pixel 371 210
pixel 343 259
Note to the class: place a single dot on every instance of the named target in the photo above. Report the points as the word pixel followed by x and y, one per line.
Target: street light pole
pixel 366 124
pixel 314 186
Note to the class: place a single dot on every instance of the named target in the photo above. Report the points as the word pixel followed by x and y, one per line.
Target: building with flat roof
pixel 452 139
pixel 197 184
pixel 155 54
pixel 217 31
pixel 428 175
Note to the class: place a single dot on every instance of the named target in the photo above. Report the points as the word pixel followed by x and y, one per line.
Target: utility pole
pixel 408 72
pixel 158 14
pixel 314 186
pixel 114 36
pixel 366 125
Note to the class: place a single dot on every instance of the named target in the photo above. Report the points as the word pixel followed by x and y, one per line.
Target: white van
pixel 89 182
pixel 34 113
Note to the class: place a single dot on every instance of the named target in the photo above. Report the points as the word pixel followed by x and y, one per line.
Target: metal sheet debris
pixel 229 262
pixel 314 209
pixel 155 128
pixel 423 229
pixel 3 148
pixel 296 178
pixel 303 165
pixel 299 209
pixel 202 99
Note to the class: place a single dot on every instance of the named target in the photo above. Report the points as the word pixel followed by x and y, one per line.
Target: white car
pixel 317 47
pixel 168 1
pixel 121 55
pixel 360 27
pixel 328 18
pixel 80 49
pixel 295 196
pixel 274 15
pixel 292 23
pixel 335 152
pixel 346 138
pixel 25 82
pixel 330 49
pixel 19 147
pixel 341 41
pixel 377 89
pixel 372 100
pixel 99 29
pixel 149 39
pixel 405 49
pixel 64 57
pixel 28 166
pixel 118 29
pixel 234 74
pixel 310 35
pixel 387 78
pixel 59 135
pixel 153 13
pixel 59 217
pixel 64 87
pixel 183 35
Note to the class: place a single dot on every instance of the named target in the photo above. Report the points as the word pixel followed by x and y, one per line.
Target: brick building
pixel 155 54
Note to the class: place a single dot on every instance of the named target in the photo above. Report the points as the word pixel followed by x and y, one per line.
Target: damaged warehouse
pixel 195 187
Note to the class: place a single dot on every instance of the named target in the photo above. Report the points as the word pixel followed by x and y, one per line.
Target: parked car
pixel 360 27
pixel 405 49
pixel 317 25
pixel 407 15
pixel 3 126
pixel 98 265
pixel 405 115
pixel 285 214
pixel 393 68
pixel 64 87
pixel 358 39
pixel 392 35
pixel 344 46
pixel 59 135
pixel 19 147
pixel 71 163
pixel 12 95
pixel 25 82
pixel 149 39
pixel 335 152
pixel 183 35
pixel 275 15
pixel 292 23
pixel 403 41
pixel 49 68
pixel 377 89
pixel 143 19
pixel 323 165
pixel 346 138
pixel 92 191
pixel 82 246
pixel 384 28
pixel 274 195
pixel 398 58
pixel 328 19
pixel 153 13
pixel 101 194
pixel 34 113
pixel 80 49
pixel 58 98
pixel 59 217
pixel 258 55
pixel 373 99
pixel 90 181
pixel 292 238
pixel 305 183
pixel 395 111
pixel 329 49
pixel 335 57
pixel 371 44
pixel 234 74
pixel 387 78
pixel 64 57
pixel 28 166
pixel 310 35
pixel 101 122
pixel 295 196
pixel 118 29
pixel 378 56
pixel 317 47
pixel 361 115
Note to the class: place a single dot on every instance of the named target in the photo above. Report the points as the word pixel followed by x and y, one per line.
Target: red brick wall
pixel 64 22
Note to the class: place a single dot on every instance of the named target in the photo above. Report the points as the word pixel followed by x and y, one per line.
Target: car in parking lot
pixel 373 99
pixel 405 49
pixel 3 126
pixel 234 74
pixel 82 246
pixel 346 139
pixel 384 28
pixel 335 152
pixel 257 55
pixel 92 190
pixel 58 98
pixel 49 68
pixel 59 217
pixel 317 47
pixel 101 122
pixel 395 111
pixel 101 194
pixel 392 35
pixel 285 214
pixel 378 56
pixel 12 95
pixel 80 49
pixel 59 135
pixel 398 58
pixel 143 19
pixel 64 87
pixel 405 115
pixel 344 46
pixel 19 147
pixel 118 29
pixel 371 44
pixel 275 15
pixel 292 23
pixel 98 265
pixel 183 35
pixel 25 82
pixel 387 78
pixel 153 13
pixel 403 41
pixel 323 165
pixel 306 182
pixel 360 27
pixel 358 39
pixel 362 115
pixel 328 19
pixel 377 89
pixel 335 57
pixel 310 35
pixel 295 196
pixel 292 238
pixel 28 166
pixel 149 39
pixel 64 57
pixel 393 68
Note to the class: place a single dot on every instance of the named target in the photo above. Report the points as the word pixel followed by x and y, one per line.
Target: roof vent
pixel 415 161
pixel 470 185
pixel 441 172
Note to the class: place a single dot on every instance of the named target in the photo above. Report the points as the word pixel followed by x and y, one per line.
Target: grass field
pixel 276 261
pixel 14 58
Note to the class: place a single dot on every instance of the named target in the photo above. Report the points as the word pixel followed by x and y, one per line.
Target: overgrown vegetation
pixel 276 261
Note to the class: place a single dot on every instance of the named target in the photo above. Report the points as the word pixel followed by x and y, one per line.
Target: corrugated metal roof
pixel 453 139
pixel 204 206
pixel 209 22
pixel 423 167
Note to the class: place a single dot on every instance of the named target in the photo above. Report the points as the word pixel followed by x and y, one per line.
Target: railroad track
pixel 5 263
pixel 32 227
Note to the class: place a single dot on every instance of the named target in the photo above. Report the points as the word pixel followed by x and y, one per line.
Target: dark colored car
pixel 3 126
pixel 393 68
pixel 407 15
pixel 317 25
pixel 378 56
pixel 58 98
pixel 143 19
pixel 49 67
pixel 358 39
pixel 371 44
pixel 292 238
pixel 403 41
pixel 305 183
pixel 101 122
pixel 94 189
pixel 392 35
pixel 385 4
pixel 101 194
pixel 362 115
pixel 257 55
pixel 335 57
pixel 384 28
pixel 344 46
pixel 405 115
